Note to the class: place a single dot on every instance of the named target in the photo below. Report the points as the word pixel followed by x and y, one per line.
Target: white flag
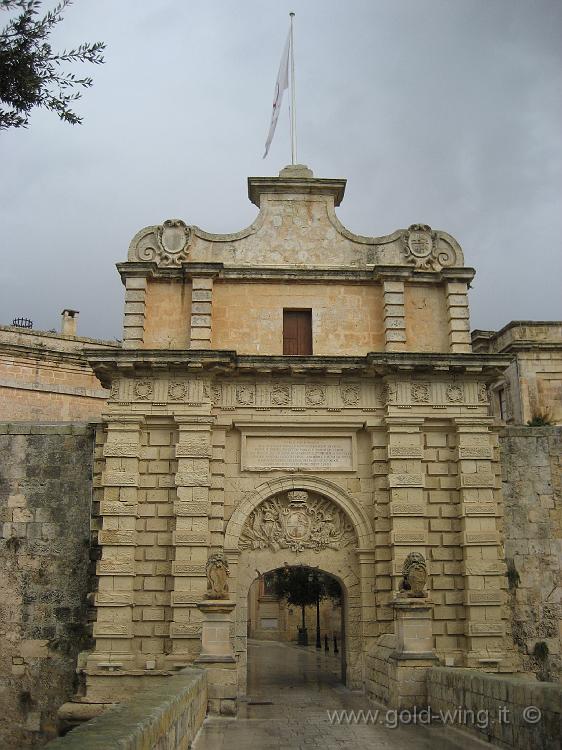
pixel 280 86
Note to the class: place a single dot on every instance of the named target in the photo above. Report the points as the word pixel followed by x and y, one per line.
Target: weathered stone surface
pixel 531 463
pixel 44 575
pixel 168 713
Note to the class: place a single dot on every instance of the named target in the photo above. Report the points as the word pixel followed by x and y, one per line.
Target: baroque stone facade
pixel 377 445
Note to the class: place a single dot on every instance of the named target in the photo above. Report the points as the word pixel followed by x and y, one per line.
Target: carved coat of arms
pixel 420 245
pixel 296 521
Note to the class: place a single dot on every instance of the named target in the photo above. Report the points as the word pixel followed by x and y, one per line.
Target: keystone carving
pixel 297 521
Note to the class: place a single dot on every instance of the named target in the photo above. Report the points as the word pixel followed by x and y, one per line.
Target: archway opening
pixel 295 629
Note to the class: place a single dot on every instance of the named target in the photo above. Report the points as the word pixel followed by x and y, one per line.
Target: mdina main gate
pixel 295 394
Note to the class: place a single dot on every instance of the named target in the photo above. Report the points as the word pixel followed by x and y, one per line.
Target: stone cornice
pixel 43 354
pixel 258 186
pixel 131 362
pixel 291 273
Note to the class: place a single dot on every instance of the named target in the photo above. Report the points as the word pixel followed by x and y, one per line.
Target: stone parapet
pixel 167 714
pixel 511 712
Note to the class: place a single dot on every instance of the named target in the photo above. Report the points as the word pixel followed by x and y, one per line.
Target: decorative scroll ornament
pixel 454 393
pixel 281 395
pixel 114 392
pixel 482 393
pixel 246 394
pixel 420 392
pixel 388 393
pixel 173 237
pixel 143 390
pixel 350 395
pixel 420 245
pixel 414 576
pixel 297 521
pixel 315 395
pixel 178 390
pixel 217 571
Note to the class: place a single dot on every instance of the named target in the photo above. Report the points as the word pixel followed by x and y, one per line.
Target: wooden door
pixel 297 332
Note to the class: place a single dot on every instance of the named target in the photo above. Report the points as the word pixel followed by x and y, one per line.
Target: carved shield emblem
pixel 297 525
pixel 173 236
pixel 420 241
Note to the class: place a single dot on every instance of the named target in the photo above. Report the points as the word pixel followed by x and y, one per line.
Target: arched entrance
pixel 300 607
pixel 312 522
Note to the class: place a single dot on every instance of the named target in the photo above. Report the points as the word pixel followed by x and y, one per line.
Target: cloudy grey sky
pixel 447 112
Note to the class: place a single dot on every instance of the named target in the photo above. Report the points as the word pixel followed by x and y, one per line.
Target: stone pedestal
pixel 414 652
pixel 414 634
pixel 217 656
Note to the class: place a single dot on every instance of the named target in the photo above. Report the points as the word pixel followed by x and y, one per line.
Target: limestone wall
pixel 510 712
pixel 248 317
pixel 168 714
pixel 45 497
pixel 45 376
pixel 531 461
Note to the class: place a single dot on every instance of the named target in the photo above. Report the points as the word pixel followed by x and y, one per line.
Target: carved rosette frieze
pixel 425 249
pixel 297 521
pixel 332 395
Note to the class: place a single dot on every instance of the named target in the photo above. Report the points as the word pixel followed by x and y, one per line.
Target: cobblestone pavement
pixel 290 691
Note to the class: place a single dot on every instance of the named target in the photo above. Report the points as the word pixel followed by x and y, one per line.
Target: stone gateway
pixel 368 446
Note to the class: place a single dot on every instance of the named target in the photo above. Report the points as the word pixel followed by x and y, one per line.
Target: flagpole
pixel 293 113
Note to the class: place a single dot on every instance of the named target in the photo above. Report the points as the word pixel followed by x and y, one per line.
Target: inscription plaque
pixel 307 452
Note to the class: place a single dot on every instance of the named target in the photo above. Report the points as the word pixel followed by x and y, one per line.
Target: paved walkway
pixel 290 691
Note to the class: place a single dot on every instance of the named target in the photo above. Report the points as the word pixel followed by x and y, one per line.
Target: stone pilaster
pixel 191 538
pixel 382 554
pixel 483 567
pixel 394 316
pixel 134 315
pixel 459 323
pixel 369 625
pixel 201 312
pixel 114 600
pixel 408 517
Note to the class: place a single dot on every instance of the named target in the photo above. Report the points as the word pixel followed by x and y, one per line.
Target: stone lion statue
pixel 414 576
pixel 217 577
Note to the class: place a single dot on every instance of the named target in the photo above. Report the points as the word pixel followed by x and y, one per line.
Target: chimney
pixel 68 322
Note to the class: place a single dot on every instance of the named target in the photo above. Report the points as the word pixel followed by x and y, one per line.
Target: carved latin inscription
pixel 298 452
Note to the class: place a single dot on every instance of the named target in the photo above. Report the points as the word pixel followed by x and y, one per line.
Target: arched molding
pixel 355 513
